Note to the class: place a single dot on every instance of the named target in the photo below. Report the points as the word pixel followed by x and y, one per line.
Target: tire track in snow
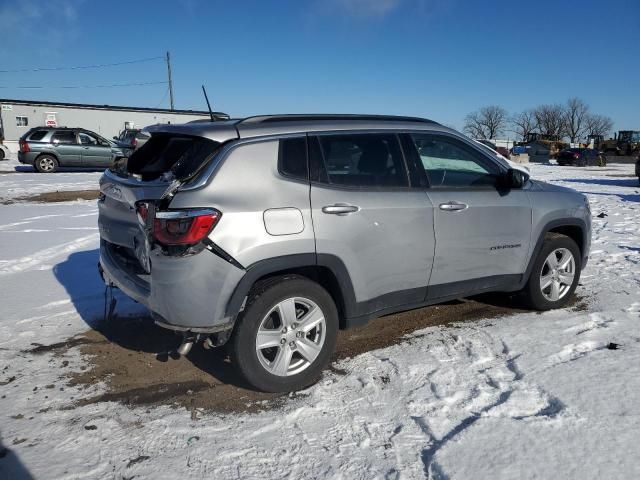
pixel 30 262
pixel 513 398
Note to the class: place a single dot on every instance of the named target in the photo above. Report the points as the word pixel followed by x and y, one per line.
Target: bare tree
pixel 598 125
pixel 550 120
pixel 487 122
pixel 575 118
pixel 523 123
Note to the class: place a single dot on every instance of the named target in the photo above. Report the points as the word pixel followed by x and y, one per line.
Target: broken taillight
pixel 184 227
pixel 142 209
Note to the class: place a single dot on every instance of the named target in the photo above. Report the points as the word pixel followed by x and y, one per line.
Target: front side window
pixel 448 162
pixel 22 121
pixel 362 160
pixel 64 137
pixel 87 139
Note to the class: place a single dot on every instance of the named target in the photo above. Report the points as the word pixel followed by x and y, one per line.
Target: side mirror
pixel 513 178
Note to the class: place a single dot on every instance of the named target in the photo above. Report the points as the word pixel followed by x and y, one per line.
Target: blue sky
pixel 434 58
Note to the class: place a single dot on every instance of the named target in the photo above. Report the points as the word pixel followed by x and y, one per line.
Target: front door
pixel 94 152
pixel 367 218
pixel 65 145
pixel 482 233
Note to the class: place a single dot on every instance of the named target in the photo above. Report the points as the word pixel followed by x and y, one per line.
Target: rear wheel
pixel 1 154
pixel 285 335
pixel 555 273
pixel 46 164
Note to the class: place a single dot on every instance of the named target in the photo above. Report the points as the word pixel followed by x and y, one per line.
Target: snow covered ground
pixel 526 396
pixel 18 180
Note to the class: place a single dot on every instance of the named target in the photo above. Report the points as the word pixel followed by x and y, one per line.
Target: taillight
pixel 183 227
pixel 576 156
pixel 24 146
pixel 134 142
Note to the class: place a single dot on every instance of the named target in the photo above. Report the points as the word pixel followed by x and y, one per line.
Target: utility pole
pixel 170 82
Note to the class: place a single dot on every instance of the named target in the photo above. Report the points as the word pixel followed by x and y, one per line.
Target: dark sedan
pixel 580 157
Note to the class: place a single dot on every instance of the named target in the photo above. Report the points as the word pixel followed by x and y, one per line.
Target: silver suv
pixel 270 233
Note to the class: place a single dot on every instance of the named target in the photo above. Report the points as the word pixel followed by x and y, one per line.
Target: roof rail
pixel 329 117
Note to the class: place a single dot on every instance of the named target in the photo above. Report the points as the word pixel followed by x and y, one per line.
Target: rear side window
pixel 181 155
pixel 65 137
pixel 37 135
pixel 292 158
pixel 362 160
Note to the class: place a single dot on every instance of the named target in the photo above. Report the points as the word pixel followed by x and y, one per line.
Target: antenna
pixel 208 104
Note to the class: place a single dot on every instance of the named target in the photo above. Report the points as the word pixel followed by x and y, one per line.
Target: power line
pixel 166 92
pixel 32 87
pixel 80 67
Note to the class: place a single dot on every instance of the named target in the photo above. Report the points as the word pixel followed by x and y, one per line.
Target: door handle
pixel 453 206
pixel 339 209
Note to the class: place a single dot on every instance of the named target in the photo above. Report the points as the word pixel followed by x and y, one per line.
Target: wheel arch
pixel 326 270
pixel 574 231
pixel 574 228
pixel 47 154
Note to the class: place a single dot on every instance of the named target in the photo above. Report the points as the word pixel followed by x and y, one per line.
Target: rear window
pixel 37 135
pixel 181 155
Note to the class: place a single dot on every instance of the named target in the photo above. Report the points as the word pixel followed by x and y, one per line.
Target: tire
pixel 311 352
pixel 46 164
pixel 540 298
pixel 1 154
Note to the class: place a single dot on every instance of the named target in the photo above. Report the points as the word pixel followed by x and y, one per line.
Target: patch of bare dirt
pixel 129 354
pixel 62 196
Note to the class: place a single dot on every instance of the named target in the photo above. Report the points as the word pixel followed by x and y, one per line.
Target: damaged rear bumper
pixel 187 294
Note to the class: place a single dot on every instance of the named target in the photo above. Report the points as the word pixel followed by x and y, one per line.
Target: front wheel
pixel 285 335
pixel 555 273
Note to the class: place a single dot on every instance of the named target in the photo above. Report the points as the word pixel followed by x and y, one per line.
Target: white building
pixel 19 116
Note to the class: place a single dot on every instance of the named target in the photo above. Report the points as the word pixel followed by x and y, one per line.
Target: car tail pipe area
pixel 186 345
pixel 208 341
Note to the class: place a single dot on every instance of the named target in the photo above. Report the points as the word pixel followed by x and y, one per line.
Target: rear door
pixel 482 233
pixel 65 145
pixel 94 152
pixel 366 216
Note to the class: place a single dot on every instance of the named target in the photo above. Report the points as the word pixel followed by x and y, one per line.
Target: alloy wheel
pixel 291 336
pixel 46 164
pixel 558 272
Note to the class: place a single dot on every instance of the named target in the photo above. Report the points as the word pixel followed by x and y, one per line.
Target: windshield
pixel 181 155
pixel 629 136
